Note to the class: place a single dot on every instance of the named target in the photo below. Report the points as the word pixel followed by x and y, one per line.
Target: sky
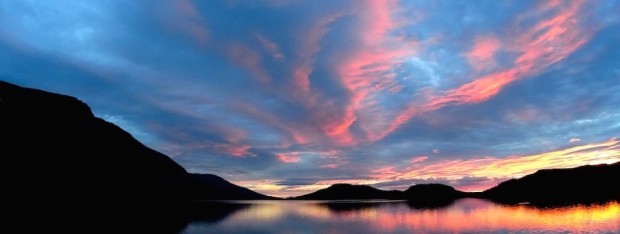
pixel 288 96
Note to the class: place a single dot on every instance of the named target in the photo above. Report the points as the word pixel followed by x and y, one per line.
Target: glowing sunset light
pixel 467 215
pixel 289 96
pixel 517 217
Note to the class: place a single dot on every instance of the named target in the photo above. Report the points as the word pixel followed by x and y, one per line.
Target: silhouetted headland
pixel 59 156
pixel 432 195
pixel 585 184
pixel 212 187
pixel 350 192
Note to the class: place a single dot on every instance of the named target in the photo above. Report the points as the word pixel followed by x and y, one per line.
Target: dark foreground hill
pixel 61 152
pixel 585 184
pixel 212 187
pixel 57 156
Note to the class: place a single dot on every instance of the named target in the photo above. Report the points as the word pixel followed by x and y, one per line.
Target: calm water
pixel 463 216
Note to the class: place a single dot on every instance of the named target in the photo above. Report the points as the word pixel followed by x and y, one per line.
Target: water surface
pixel 462 216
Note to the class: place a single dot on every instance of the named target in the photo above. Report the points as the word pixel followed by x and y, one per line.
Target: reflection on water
pixel 466 215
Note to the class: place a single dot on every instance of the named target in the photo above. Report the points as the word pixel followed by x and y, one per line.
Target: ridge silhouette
pixel 584 184
pixel 350 192
pixel 205 184
pixel 59 156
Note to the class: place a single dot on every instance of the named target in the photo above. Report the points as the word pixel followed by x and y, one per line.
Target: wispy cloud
pixel 481 55
pixel 270 46
pixel 374 92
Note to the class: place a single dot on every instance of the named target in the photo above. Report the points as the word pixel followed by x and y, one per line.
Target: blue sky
pixel 287 96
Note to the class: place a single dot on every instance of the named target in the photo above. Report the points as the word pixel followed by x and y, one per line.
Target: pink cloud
pixel 191 22
pixel 379 20
pixel 418 159
pixel 516 166
pixel 301 77
pixel 288 157
pixel 573 140
pixel 231 134
pixel 384 173
pixel 297 133
pixel 232 150
pixel 540 46
pixel 332 158
pixel 396 88
pixel 309 46
pixel 481 55
pixel 329 153
pixel 330 165
pixel 270 46
pixel 367 70
pixel 250 60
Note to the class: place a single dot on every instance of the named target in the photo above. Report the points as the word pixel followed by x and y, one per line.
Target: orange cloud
pixel 488 171
pixel 481 55
pixel 517 166
pixel 418 159
pixel 385 172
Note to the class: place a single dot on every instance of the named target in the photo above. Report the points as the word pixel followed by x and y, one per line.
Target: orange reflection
pixel 481 215
pixel 466 215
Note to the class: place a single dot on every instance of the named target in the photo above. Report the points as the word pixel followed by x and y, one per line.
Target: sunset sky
pixel 289 96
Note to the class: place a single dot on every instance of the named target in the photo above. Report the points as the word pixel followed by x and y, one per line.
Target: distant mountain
pixel 212 187
pixel 432 194
pixel 590 183
pixel 350 192
pixel 583 184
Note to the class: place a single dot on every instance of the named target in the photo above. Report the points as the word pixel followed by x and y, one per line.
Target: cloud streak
pixel 289 96
pixel 540 46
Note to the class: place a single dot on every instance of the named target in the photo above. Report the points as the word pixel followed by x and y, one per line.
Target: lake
pixel 462 216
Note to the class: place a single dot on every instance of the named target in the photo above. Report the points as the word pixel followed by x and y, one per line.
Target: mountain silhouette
pixel 432 195
pixel 585 184
pixel 64 152
pixel 350 192
pixel 58 156
pixel 212 187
